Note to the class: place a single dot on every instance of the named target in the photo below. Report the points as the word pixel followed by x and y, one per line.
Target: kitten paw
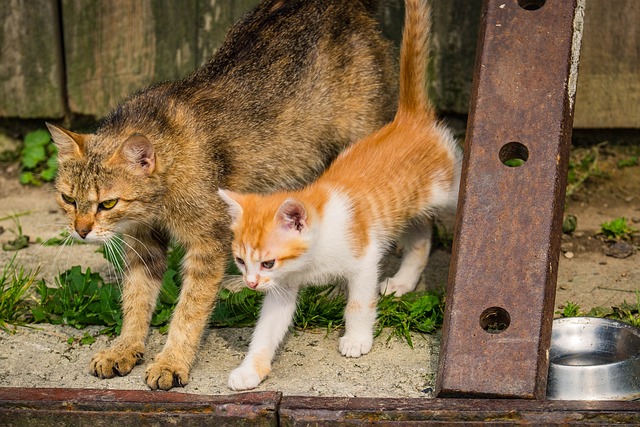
pixel 115 361
pixel 243 378
pixel 355 347
pixel 164 376
pixel 392 285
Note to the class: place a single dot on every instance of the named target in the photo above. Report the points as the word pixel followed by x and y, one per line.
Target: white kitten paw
pixel 243 378
pixel 355 346
pixel 391 285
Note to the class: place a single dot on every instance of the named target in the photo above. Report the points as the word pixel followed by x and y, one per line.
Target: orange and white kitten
pixel 383 189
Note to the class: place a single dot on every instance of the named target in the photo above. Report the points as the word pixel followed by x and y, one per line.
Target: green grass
pixel 15 283
pixel 583 164
pixel 628 162
pixel 82 298
pixel 625 312
pixel 21 241
pixel 617 229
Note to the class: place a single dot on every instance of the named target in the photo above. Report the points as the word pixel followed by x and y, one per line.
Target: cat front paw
pixel 355 346
pixel 244 378
pixel 165 376
pixel 395 286
pixel 115 361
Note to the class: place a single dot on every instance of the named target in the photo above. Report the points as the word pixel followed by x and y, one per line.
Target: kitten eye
pixel 268 265
pixel 239 260
pixel 68 199
pixel 108 204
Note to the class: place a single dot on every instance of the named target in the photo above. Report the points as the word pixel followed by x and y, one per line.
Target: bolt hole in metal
pixel 495 320
pixel 531 4
pixel 514 154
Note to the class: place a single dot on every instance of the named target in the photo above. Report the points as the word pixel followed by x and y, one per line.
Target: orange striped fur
pixel 382 189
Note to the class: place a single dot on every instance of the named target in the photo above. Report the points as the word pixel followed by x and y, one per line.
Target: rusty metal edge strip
pixel 29 406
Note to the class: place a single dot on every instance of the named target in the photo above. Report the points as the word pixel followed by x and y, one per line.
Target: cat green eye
pixel 108 204
pixel 68 199
pixel 267 265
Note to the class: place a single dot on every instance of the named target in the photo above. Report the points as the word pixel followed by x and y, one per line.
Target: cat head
pixel 103 182
pixel 272 235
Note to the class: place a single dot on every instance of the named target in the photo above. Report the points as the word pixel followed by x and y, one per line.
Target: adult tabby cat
pixel 294 82
pixel 385 187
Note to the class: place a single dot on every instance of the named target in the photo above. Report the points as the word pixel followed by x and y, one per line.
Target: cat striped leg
pixel 362 303
pixel 146 262
pixel 203 268
pixel 275 317
pixel 417 244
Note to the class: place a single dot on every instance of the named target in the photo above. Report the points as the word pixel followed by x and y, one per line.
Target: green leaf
pixel 27 178
pixel 87 339
pixel 32 156
pixel 37 138
pixel 20 242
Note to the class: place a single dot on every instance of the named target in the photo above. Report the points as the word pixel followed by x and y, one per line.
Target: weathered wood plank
pixel 115 47
pixel 31 82
pixel 608 93
pixel 455 28
pixel 215 17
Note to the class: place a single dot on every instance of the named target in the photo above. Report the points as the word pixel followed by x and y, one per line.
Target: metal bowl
pixel 594 359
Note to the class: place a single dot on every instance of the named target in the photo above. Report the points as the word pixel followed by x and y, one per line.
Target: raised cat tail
pixel 414 57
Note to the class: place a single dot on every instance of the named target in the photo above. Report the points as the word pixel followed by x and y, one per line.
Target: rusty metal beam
pixel 332 411
pixel 501 289
pixel 96 408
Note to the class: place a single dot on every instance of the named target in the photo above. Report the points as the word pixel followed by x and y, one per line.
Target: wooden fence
pixel 59 57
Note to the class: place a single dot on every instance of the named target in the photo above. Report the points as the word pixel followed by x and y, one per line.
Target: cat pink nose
pixel 252 285
pixel 83 232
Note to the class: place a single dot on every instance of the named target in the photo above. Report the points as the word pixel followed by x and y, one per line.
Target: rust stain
pixel 509 218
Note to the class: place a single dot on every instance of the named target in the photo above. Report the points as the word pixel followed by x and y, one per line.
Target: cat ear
pixel 292 215
pixel 231 199
pixel 69 144
pixel 138 152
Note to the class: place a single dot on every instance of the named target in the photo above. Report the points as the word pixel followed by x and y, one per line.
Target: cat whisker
pixel 234 283
pixel 282 294
pixel 114 251
pixel 65 243
pixel 130 246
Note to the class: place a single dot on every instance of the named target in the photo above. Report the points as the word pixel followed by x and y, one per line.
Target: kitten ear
pixel 231 199
pixel 138 152
pixel 292 215
pixel 69 144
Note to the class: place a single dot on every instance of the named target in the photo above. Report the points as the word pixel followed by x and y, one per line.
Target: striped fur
pixel 381 190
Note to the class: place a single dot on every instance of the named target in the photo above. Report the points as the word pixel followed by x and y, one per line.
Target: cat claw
pixel 160 376
pixel 350 347
pixel 243 379
pixel 111 362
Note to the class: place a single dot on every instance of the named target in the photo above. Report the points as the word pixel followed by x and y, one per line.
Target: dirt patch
pixel 308 362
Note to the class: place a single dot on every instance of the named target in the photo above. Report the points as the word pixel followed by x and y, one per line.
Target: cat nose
pixel 83 226
pixel 252 285
pixel 82 232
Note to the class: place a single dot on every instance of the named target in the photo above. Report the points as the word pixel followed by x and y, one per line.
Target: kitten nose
pixel 252 285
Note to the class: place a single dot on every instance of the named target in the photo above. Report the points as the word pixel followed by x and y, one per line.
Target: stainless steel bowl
pixel 594 359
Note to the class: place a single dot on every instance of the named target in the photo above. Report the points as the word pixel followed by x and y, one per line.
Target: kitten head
pixel 271 236
pixel 103 184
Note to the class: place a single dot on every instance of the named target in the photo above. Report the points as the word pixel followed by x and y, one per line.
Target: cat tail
pixel 372 6
pixel 414 58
